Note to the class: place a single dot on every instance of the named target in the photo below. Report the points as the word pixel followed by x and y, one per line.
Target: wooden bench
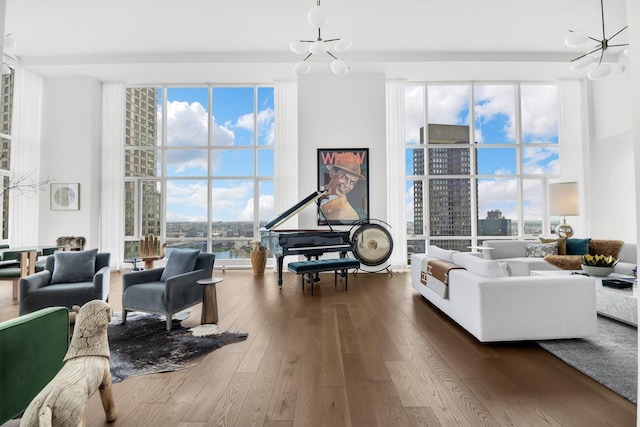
pixel 312 267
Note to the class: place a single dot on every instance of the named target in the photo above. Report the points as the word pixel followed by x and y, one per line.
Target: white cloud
pixel 540 160
pixel 266 211
pixel 539 111
pixel 186 200
pixel 498 194
pixel 414 113
pixel 446 102
pixel 491 100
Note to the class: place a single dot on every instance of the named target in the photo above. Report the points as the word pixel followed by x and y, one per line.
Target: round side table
pixel 209 300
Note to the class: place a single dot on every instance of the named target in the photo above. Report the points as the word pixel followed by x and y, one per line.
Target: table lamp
pixel 563 201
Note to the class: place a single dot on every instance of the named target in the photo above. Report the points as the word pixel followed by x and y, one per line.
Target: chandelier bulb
pixel 599 71
pixel 317 17
pixel 581 63
pixel 342 45
pixel 301 68
pixel 298 47
pixel 339 67
pixel 576 39
pixel 318 47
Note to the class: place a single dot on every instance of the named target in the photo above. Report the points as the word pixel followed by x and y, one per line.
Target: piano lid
pixel 295 209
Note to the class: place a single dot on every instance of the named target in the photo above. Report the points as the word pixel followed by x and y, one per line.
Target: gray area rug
pixel 611 357
pixel 144 346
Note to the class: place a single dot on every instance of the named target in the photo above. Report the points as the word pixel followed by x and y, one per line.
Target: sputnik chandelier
pixel 317 19
pixel 581 39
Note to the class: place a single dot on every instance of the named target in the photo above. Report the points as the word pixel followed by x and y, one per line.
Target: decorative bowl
pixel 592 270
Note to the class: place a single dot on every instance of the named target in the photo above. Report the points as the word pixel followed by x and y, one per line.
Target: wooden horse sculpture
pixel 151 250
pixel 63 402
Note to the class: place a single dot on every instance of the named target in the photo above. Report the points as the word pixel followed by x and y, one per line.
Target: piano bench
pixel 318 265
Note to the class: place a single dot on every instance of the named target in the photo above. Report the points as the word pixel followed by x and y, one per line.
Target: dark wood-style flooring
pixel 376 355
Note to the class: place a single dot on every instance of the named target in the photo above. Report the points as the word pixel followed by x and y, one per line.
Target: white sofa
pixel 514 252
pixel 514 308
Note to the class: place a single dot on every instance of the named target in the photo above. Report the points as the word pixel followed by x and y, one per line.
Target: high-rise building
pixel 141 130
pixel 494 225
pixel 449 197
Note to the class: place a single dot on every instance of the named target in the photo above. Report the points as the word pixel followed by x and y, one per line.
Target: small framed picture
pixel 65 197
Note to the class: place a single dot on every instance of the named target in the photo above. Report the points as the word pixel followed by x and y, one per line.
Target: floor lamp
pixel 563 201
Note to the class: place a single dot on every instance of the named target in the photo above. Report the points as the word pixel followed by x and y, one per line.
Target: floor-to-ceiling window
pixel 6 108
pixel 199 166
pixel 478 159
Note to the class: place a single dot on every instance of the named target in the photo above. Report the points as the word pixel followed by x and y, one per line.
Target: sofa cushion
pixel 565 262
pixel 443 254
pixel 605 247
pixel 539 250
pixel 479 266
pixel 578 246
pixel 180 262
pixel 74 266
pixel 562 244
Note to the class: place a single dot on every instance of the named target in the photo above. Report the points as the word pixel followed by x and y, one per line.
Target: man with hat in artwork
pixel 344 173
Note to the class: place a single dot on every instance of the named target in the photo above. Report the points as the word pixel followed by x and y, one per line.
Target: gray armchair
pixel 77 278
pixel 167 290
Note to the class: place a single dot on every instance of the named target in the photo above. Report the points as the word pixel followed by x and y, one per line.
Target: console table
pixel 618 304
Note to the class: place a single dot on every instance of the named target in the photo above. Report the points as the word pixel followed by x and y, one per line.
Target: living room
pixel 330 112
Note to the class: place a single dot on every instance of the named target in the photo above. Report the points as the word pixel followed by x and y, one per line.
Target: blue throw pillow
pixel 578 246
pixel 180 262
pixel 73 267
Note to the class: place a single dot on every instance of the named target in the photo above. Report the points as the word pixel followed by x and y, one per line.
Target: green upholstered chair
pixel 32 349
pixel 167 290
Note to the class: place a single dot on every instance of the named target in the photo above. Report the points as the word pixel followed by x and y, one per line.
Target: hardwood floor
pixel 376 355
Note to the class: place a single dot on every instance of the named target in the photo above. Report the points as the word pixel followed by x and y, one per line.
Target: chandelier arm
pixel 618 45
pixel 618 33
pixel 307 57
pixel 331 55
pixel 601 56
pixel 306 41
pixel 332 40
pixel 588 53
pixel 594 39
pixel 602 14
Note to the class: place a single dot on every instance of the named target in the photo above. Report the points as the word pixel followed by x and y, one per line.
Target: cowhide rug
pixel 144 346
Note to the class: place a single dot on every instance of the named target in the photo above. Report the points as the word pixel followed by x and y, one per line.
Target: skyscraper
pixel 450 196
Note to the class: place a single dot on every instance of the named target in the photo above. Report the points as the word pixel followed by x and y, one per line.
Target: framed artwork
pixel 344 175
pixel 65 197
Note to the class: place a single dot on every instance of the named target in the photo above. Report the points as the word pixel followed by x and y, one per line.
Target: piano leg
pixel 279 260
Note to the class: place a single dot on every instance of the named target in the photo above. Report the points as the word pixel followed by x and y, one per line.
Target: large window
pixel 6 109
pixel 199 166
pixel 478 158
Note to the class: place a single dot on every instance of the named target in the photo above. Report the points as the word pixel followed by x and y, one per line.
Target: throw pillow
pixel 605 247
pixel 539 250
pixel 477 265
pixel 562 244
pixel 578 246
pixel 443 254
pixel 74 266
pixel 180 262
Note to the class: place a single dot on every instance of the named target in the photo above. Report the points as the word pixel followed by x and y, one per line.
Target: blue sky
pixel 494 123
pixel 232 125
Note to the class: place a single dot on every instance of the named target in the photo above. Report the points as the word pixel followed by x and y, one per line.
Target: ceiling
pixel 180 40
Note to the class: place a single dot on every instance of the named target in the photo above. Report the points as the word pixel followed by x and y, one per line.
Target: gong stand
pixel 372 244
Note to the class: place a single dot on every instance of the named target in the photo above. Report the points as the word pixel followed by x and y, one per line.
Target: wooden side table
pixel 209 300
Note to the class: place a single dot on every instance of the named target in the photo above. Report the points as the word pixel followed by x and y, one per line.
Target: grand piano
pixel 310 243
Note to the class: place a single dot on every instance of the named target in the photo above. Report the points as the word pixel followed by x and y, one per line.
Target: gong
pixel 372 244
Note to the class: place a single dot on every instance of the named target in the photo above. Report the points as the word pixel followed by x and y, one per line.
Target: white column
pixel 112 194
pixel 395 172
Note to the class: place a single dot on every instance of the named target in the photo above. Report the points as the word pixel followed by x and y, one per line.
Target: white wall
pixel 342 112
pixel 70 152
pixel 610 176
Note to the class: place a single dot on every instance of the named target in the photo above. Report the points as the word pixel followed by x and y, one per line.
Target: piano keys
pixel 310 243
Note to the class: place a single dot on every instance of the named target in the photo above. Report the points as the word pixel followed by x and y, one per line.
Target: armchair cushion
pixel 180 262
pixel 72 267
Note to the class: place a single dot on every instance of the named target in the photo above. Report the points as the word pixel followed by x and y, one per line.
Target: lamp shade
pixel 576 39
pixel 563 199
pixel 317 17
